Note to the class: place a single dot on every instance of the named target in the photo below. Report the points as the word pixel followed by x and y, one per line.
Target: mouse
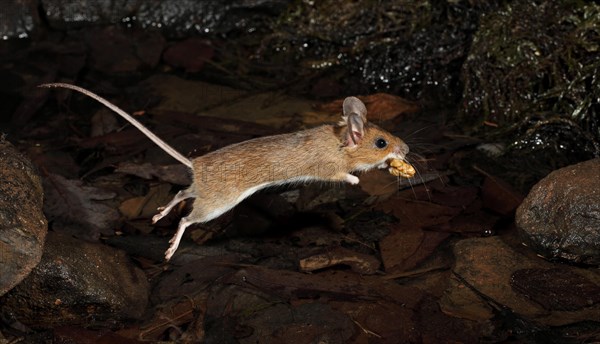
pixel 223 178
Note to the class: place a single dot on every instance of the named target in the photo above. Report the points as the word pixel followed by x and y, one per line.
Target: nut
pixel 400 168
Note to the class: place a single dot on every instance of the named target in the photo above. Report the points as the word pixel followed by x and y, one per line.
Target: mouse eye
pixel 381 143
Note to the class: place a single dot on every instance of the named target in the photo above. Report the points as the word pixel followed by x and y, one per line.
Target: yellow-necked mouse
pixel 225 177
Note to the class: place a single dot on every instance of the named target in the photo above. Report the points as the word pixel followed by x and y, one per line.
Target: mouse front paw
pixel 352 179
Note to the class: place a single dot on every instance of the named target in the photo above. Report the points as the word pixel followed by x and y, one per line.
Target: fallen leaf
pixel 405 248
pixel 380 106
pixel 73 334
pixel 359 262
pixel 146 206
pixel 417 214
pixel 172 314
pixel 115 50
pixel 378 183
pixel 175 174
pixel 338 285
pixel 103 122
pixel 190 54
pixel 77 208
pixel 498 195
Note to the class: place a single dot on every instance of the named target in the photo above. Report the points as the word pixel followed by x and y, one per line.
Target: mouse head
pixel 367 145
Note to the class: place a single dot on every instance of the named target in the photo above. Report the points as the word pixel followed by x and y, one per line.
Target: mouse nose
pixel 401 149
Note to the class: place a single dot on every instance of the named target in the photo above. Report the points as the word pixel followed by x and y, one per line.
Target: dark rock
pixel 493 271
pixel 18 18
pixel 114 50
pixel 178 18
pixel 560 218
pixel 23 226
pixel 532 73
pixel 556 289
pixel 507 75
pixel 78 282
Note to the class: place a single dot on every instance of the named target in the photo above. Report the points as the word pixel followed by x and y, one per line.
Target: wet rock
pixel 78 282
pixel 560 218
pixel 176 17
pixel 18 18
pixel 114 50
pixel 365 42
pixel 494 273
pixel 507 74
pixel 561 289
pixel 547 116
pixel 23 226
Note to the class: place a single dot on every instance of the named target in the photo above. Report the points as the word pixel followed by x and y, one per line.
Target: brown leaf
pixel 499 196
pixel 480 223
pixel 405 248
pixel 338 285
pixel 417 214
pixel 72 334
pixel 373 321
pixel 378 183
pixel 76 208
pixel 173 314
pixel 146 206
pixel 358 262
pixel 114 50
pixel 175 174
pixel 103 122
pixel 190 54
pixel 380 106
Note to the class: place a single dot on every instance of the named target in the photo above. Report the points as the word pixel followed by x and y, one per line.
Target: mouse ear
pixel 355 117
pixel 355 131
pixel 353 105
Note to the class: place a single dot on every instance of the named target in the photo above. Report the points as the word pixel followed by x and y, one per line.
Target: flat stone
pixel 23 226
pixel 560 218
pixel 494 276
pixel 78 282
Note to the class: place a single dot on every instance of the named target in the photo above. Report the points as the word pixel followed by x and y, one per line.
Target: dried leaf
pixel 358 262
pixel 72 334
pixel 173 314
pixel 190 54
pixel 418 214
pixel 380 106
pixel 499 196
pixel 145 207
pixel 77 208
pixel 378 183
pixel 403 249
pixel 175 174
pixel 103 122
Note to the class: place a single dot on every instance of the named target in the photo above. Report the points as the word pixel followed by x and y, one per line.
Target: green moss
pixel 534 61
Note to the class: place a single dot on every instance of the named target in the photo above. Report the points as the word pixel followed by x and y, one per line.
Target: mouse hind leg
pixel 197 215
pixel 176 239
pixel 202 211
pixel 180 196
